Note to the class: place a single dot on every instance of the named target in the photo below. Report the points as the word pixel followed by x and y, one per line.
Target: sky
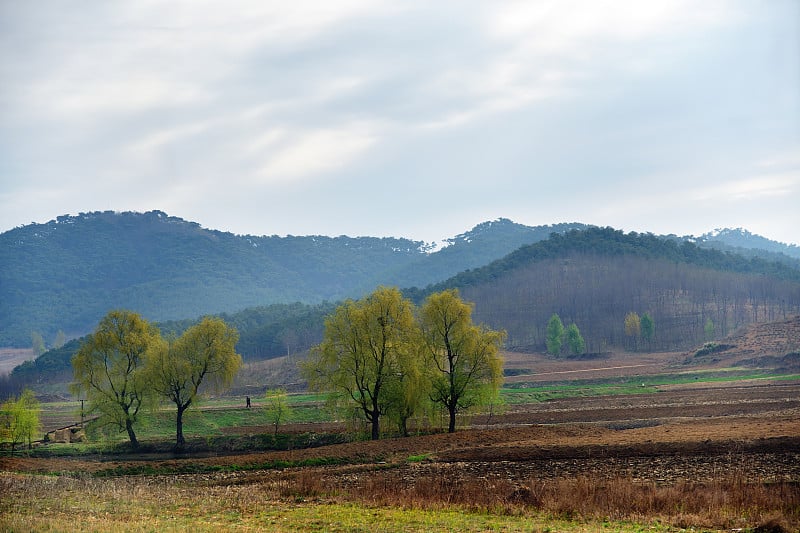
pixel 411 119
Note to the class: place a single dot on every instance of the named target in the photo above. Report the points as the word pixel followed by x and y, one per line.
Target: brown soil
pixel 680 434
pixel 773 338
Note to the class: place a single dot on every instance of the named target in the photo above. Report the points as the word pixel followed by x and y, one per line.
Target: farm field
pixel 578 446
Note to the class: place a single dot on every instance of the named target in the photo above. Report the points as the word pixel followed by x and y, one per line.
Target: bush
pixel 712 347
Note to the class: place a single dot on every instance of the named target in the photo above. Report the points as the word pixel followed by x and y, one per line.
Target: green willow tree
pixel 575 340
pixel 20 419
pixel 464 360
pixel 60 340
pixel 37 343
pixel 276 407
pixel 648 328
pixel 364 353
pixel 203 359
pixel 109 369
pixel 554 335
pixel 708 330
pixel 408 393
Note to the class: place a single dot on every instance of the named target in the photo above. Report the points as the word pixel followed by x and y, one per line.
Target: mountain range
pixel 64 275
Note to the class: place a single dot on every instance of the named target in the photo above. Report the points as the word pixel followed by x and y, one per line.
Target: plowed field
pixel 681 433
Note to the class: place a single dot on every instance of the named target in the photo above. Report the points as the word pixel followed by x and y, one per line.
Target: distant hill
pixel 740 239
pixel 742 242
pixel 66 274
pixel 595 277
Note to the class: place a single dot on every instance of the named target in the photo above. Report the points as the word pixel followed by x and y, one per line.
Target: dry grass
pixel 728 503
pixel 280 504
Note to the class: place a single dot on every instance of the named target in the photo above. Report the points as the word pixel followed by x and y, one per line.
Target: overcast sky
pixel 407 119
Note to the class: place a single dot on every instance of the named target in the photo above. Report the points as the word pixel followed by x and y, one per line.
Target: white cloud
pixel 313 152
pixel 160 138
pixel 502 106
pixel 751 189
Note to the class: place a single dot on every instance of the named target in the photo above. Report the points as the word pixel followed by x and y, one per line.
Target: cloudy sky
pixel 412 119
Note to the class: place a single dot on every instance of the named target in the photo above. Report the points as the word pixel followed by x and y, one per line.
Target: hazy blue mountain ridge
pixel 591 277
pixel 741 239
pixel 742 242
pixel 66 274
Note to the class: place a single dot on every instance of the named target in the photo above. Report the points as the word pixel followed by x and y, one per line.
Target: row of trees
pixel 636 328
pixel 557 336
pixel 386 357
pixel 126 366
pixel 38 345
pixel 639 327
pixel 19 419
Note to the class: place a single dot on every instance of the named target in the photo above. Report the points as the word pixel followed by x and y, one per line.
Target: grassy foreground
pixel 51 503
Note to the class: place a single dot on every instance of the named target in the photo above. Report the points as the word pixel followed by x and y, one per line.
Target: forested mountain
pixel 66 274
pixel 594 278
pixel 742 242
pixel 740 239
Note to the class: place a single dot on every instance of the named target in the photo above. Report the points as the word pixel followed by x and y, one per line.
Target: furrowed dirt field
pixel 682 433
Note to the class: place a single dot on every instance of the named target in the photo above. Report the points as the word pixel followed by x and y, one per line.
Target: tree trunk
pixel 376 428
pixel 179 440
pixel 131 434
pixel 451 428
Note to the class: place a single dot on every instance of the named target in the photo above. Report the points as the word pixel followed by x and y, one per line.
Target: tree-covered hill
pixel 66 274
pixel 740 239
pixel 595 277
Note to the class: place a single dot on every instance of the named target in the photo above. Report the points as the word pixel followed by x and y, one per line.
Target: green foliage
pixel 633 329
pixel 555 335
pixel 464 361
pixel 711 348
pixel 574 340
pixel 269 331
pixel 276 407
pixel 633 325
pixel 37 343
pixel 647 326
pixel 60 340
pixel 708 329
pixel 377 357
pixel 363 353
pixel 19 419
pixel 203 358
pixel 110 369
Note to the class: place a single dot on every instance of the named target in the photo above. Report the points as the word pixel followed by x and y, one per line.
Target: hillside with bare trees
pixel 595 278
